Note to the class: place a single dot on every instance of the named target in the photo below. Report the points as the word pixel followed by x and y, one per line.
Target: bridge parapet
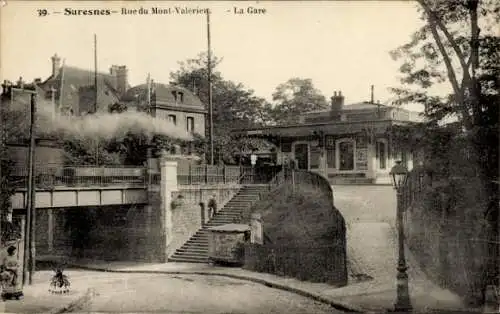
pixel 82 196
pixel 53 176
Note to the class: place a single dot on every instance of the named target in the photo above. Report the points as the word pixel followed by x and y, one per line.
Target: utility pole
pixel 95 96
pixel 95 73
pixel 61 88
pixel 53 100
pixel 30 247
pixel 148 93
pixel 31 184
pixel 210 107
pixel 372 98
pixel 3 137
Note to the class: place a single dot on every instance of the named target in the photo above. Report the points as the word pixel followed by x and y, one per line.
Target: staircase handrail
pixel 277 180
pixel 242 174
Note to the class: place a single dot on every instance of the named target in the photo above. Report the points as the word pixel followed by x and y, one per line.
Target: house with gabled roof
pixel 73 89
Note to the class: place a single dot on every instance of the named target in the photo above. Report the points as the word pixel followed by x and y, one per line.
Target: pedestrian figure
pixel 212 206
pixel 10 275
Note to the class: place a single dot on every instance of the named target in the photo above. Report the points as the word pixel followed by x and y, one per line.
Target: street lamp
pixel 399 174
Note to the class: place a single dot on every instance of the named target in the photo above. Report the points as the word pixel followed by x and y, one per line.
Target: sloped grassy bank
pixel 305 236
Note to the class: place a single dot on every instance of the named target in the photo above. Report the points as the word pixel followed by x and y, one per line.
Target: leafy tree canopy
pixel 295 97
pixel 457 45
pixel 233 104
pixel 451 48
pixel 117 107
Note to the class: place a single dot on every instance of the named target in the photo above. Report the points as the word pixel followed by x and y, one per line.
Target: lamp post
pixel 399 175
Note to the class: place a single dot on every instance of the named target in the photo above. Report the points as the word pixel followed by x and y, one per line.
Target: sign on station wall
pixel 330 141
pixel 361 153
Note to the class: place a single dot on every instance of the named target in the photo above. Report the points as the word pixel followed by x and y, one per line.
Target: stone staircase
pixel 195 250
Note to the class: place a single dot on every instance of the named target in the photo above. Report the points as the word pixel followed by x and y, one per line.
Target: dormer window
pixel 178 96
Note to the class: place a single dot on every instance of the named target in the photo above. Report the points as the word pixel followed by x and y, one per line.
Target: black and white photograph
pixel 249 157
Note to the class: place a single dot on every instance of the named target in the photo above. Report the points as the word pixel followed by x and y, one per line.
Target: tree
pixel 11 129
pixel 85 151
pixel 117 107
pixel 451 47
pixel 233 104
pixel 295 97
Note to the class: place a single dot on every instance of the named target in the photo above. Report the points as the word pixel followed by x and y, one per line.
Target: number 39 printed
pixel 42 12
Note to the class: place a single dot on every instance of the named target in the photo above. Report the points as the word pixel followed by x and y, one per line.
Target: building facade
pixel 172 103
pixel 344 143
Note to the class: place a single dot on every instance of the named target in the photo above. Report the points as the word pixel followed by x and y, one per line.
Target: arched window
pixel 346 149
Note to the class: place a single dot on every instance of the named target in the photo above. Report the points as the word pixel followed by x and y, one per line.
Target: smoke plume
pixel 100 126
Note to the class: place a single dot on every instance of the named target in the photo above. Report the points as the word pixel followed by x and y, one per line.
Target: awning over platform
pixel 377 127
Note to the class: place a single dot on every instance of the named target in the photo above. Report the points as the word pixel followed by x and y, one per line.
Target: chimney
pixel 337 102
pixel 120 73
pixel 56 64
pixel 20 83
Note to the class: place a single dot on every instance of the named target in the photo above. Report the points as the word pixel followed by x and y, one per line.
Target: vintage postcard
pixel 249 156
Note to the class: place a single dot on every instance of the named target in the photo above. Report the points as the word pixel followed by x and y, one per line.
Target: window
pixel 346 154
pixel 178 96
pixel 301 155
pixel 172 119
pixel 381 154
pixel 330 157
pixel 315 154
pixel 190 124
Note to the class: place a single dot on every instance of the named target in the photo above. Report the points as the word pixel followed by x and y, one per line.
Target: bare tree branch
pixel 458 91
pixel 432 15
pixel 463 63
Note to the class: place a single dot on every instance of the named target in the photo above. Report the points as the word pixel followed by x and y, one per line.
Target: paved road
pixel 195 294
pixel 370 212
pixel 366 203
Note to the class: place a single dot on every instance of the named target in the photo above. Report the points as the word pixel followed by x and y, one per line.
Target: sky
pixel 340 45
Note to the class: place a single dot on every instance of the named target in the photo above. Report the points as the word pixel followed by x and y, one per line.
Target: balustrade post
pixel 206 174
pixel 202 212
pixel 256 229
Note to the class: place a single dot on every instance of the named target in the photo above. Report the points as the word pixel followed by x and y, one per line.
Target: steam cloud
pixel 100 126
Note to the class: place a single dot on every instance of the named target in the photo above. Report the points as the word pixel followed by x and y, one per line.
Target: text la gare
pixel 249 10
